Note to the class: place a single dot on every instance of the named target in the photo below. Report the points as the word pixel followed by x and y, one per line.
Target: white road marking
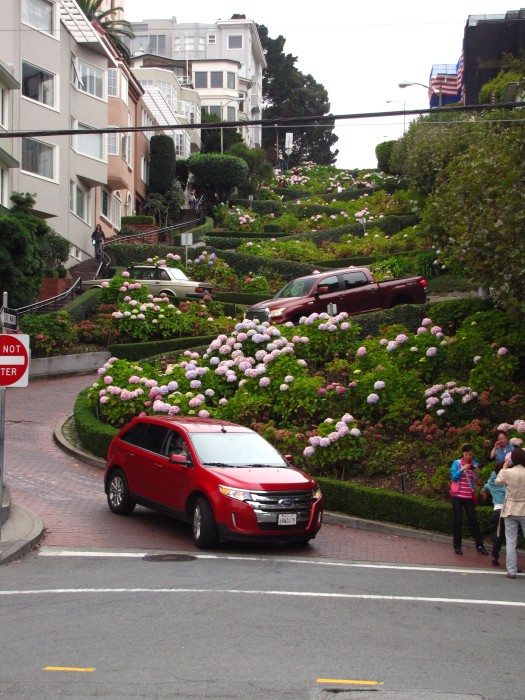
pixel 57 552
pixel 291 594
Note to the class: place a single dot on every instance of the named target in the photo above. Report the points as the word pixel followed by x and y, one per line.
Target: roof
pixel 195 424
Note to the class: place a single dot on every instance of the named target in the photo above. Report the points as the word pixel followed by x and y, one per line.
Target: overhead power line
pixel 325 120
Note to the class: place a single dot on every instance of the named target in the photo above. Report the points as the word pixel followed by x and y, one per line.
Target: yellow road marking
pixel 72 669
pixel 348 682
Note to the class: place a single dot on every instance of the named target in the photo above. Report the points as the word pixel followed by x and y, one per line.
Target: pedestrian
pixel 464 472
pixel 98 239
pixel 498 496
pixel 514 505
pixel 192 199
pixel 501 448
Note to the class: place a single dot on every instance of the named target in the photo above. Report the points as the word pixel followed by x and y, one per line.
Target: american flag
pixel 447 79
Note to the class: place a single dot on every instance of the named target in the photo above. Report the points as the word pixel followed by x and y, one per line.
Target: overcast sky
pixel 358 51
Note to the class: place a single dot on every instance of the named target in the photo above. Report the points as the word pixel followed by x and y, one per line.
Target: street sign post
pixel 8 318
pixel 14 372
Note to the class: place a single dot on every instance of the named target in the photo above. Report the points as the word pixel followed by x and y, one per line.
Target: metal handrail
pixel 167 229
pixel 32 308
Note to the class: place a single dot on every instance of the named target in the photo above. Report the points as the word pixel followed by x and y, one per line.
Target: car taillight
pixel 423 283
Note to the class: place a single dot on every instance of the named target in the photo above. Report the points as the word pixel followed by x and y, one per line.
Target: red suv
pixel 224 479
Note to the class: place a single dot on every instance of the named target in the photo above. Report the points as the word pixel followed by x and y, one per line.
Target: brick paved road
pixel 68 495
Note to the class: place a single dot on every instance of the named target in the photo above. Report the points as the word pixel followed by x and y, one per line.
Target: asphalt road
pixel 78 626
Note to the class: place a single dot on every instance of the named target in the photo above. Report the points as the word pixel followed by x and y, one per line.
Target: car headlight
pixel 316 493
pixel 238 494
pixel 277 312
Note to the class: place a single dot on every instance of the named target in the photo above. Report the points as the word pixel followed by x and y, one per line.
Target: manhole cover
pixel 169 557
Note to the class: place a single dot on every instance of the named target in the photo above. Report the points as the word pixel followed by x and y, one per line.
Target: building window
pixel 176 43
pixel 179 145
pixel 231 114
pixel 201 80
pixel 91 145
pixel 90 79
pixel 38 85
pixel 235 41
pixel 3 107
pixel 216 79
pixel 79 201
pixel 39 14
pixel 213 110
pixel 113 82
pixel 212 39
pixel 157 44
pixel 3 186
pixel 117 210
pixel 189 43
pixel 38 158
pixel 124 90
pixel 105 203
pixel 230 80
pixel 144 170
pixel 129 209
pixel 112 142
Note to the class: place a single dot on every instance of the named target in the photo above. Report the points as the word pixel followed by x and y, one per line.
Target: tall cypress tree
pixel 289 93
pixel 162 164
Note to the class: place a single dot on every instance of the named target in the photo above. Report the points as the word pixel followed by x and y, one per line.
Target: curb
pixel 20 534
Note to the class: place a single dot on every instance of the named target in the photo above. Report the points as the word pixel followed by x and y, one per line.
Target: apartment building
pixel 223 61
pixel 170 99
pixel 9 87
pixel 60 63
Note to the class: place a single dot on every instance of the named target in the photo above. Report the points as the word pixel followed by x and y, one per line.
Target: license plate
pixel 287 519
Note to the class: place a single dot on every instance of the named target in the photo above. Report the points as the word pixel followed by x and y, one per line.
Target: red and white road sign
pixel 14 360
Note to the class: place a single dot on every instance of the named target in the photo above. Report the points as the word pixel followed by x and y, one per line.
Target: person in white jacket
pixel 512 475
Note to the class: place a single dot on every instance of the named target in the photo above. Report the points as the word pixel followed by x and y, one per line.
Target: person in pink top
pixel 464 473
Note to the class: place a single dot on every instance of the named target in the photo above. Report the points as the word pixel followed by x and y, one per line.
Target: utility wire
pixel 326 121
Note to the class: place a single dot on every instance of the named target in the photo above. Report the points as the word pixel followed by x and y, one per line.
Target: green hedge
pixel 240 298
pixel 84 306
pixel 243 264
pixel 391 507
pixel 93 435
pixel 246 235
pixel 410 315
pixel 260 206
pixel 137 220
pixel 138 351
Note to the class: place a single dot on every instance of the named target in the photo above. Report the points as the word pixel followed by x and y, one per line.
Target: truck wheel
pixel 204 528
pixel 119 500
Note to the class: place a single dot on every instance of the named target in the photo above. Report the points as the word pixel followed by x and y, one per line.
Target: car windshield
pixel 231 449
pixel 296 288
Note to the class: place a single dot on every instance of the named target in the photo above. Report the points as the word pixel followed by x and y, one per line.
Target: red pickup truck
pixel 350 289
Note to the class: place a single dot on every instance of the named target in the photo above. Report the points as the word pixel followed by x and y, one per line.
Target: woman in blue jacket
pixel 464 472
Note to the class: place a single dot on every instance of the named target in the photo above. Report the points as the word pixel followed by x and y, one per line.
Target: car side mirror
pixel 322 289
pixel 176 458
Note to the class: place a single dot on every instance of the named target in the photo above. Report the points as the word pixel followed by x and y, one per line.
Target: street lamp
pixel 404 109
pixel 225 104
pixel 439 94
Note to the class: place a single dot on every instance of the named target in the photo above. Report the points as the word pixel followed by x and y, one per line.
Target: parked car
pixel 224 479
pixel 350 289
pixel 161 279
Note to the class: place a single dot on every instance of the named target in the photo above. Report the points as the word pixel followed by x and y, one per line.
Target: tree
pixel 115 29
pixel 212 139
pixel 383 155
pixel 260 170
pixel 23 251
pixel 288 93
pixel 430 143
pixel 162 164
pixel 216 175
pixel 477 213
